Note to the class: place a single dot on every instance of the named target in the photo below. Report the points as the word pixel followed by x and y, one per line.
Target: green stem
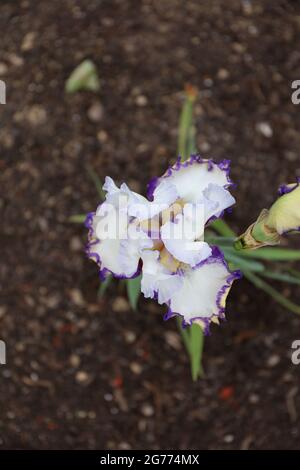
pixel 258 282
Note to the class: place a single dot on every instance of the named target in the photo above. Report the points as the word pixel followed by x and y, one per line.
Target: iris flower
pixel 162 237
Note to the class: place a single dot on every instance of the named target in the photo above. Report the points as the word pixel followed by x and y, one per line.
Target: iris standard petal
pixel 216 199
pixel 181 237
pixel 163 198
pixel 192 176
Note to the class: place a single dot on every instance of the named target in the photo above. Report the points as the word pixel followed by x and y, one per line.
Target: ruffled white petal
pixel 216 201
pixel 120 197
pixel 165 194
pixel 181 237
pixel 110 221
pixel 203 292
pixel 117 245
pixel 193 176
pixel 157 281
pixel 110 186
pixel 131 250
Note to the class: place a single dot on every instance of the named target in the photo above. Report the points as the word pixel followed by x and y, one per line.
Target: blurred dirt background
pixel 87 374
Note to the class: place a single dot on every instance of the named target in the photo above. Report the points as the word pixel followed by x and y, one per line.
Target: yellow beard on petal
pixel 172 211
pixel 157 245
pixel 153 226
pixel 168 261
pixel 150 225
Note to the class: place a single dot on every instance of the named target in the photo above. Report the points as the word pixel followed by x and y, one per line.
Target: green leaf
pixel 220 241
pixel 222 228
pixel 196 349
pixel 83 77
pixel 97 182
pixel 273 254
pixel 294 273
pixel 184 334
pixel 186 131
pixel 104 286
pixel 77 219
pixel 133 291
pixel 283 277
pixel 261 284
pixel 242 263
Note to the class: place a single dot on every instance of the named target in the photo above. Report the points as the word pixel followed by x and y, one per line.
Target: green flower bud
pixel 283 217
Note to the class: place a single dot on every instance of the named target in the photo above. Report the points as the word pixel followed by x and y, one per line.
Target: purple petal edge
pixel 216 256
pixel 224 165
pixel 92 240
pixel 284 189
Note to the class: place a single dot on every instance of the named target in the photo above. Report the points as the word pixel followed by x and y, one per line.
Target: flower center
pixel 152 228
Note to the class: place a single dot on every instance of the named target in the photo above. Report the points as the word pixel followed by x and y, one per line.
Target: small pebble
pixel 253 398
pixel 120 305
pixel 28 41
pixel 74 360
pixel 77 297
pixel 7 138
pixel 141 101
pixel 36 115
pixel 204 146
pixel 52 301
pixel 173 340
pixel 238 47
pixel 147 410
pixel 15 60
pixel 82 377
pixel 95 112
pixel 124 446
pixel 108 397
pixel 265 129
pixel 102 136
pixel 223 74
pixel 130 337
pixel 273 360
pixel 136 368
pixel 75 244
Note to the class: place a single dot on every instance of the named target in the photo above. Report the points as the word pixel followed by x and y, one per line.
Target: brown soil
pixel 87 374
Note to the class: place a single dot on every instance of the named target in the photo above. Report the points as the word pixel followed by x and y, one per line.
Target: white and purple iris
pixel 162 237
